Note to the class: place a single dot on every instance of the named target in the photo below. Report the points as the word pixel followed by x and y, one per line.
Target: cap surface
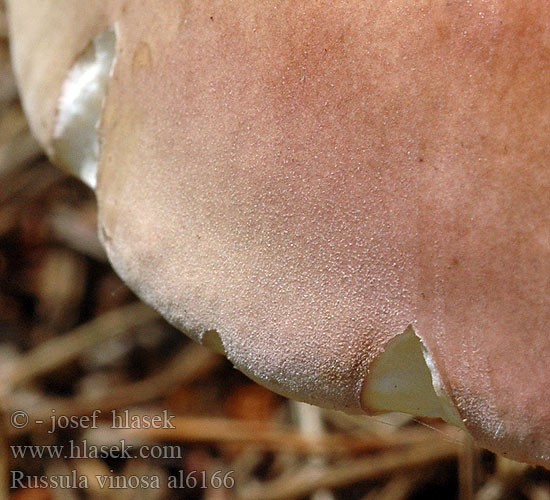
pixel 310 179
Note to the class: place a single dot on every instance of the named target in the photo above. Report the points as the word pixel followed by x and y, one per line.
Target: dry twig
pixel 309 479
pixel 269 436
pixel 188 365
pixel 56 352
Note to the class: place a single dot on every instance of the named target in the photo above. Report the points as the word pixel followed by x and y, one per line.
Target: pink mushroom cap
pixel 298 183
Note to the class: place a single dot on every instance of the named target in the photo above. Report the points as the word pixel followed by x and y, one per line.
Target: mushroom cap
pixel 301 182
